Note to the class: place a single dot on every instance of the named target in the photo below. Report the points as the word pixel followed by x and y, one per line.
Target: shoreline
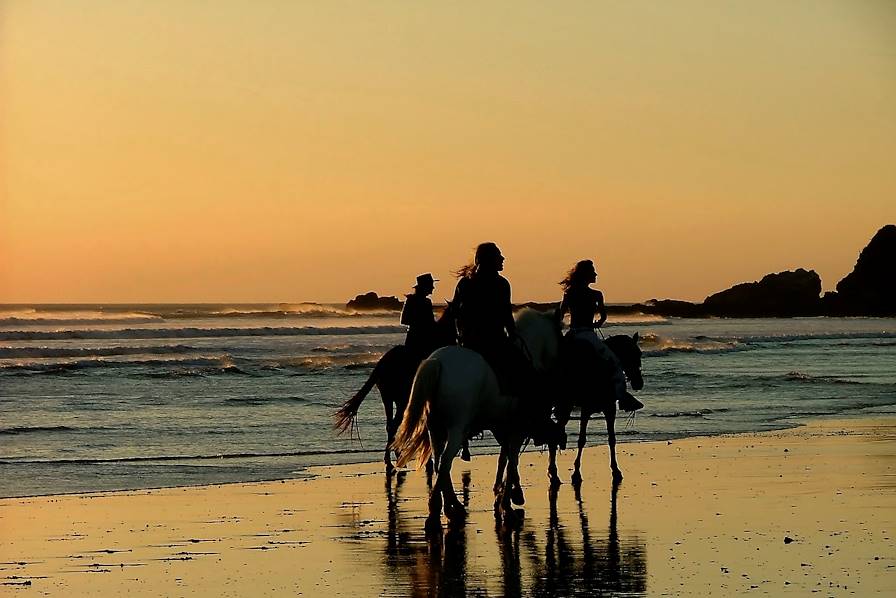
pixel 694 515
pixel 596 429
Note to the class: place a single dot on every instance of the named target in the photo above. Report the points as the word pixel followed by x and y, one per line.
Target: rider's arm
pixel 601 309
pixel 509 322
pixel 561 311
pixel 407 311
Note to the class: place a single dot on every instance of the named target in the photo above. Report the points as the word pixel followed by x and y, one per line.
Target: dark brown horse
pixel 586 383
pixel 393 376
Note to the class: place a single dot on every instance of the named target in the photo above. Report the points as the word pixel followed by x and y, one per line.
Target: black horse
pixel 586 382
pixel 393 376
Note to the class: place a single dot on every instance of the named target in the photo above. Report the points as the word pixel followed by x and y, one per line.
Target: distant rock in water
pixel 673 307
pixel 372 301
pixel 870 289
pixel 793 293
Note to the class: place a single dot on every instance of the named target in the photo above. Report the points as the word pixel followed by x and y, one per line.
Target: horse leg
pixel 499 475
pixel 552 467
pixel 390 433
pixel 583 427
pixel 610 416
pixel 435 493
pixel 465 450
pixel 454 510
pixel 562 419
pixel 512 491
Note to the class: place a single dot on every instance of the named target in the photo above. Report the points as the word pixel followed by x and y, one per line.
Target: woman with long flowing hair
pixel 583 303
pixel 486 325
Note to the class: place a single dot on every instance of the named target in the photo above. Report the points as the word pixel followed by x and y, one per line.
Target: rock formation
pixel 372 301
pixel 783 294
pixel 870 289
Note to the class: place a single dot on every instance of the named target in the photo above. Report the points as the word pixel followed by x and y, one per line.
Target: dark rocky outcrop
pixel 372 301
pixel 793 293
pixel 870 289
pixel 672 307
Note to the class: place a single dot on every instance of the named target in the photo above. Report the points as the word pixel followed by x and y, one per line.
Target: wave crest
pixel 158 333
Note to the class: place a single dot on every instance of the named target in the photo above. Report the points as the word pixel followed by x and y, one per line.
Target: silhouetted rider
pixel 583 303
pixel 417 315
pixel 482 301
pixel 486 325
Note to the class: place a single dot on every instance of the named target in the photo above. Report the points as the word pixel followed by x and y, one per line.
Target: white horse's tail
pixel 412 438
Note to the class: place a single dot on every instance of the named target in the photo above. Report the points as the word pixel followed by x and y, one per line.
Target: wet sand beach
pixel 811 509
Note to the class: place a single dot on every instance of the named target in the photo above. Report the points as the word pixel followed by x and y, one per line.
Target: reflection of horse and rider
pixel 499 376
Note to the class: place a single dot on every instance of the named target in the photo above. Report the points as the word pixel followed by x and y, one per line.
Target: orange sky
pixel 285 151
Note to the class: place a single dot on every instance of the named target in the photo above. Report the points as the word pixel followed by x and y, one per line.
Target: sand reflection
pixel 560 554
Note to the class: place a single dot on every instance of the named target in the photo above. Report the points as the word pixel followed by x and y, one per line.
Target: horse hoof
pixel 514 517
pixel 455 513
pixel 577 479
pixel 433 524
pixel 465 455
pixel 516 496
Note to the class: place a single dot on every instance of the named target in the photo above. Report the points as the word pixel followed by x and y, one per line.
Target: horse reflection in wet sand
pixel 455 395
pixel 605 564
pixel 565 559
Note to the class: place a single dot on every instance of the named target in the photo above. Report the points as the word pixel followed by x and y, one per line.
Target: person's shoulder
pixel 503 282
pixel 597 295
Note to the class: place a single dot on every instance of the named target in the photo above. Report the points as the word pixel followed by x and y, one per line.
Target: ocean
pixel 97 398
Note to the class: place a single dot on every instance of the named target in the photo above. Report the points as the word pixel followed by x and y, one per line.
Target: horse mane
pixel 525 316
pixel 534 325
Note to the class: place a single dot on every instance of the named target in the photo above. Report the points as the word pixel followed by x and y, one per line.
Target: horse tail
pixel 345 415
pixel 412 438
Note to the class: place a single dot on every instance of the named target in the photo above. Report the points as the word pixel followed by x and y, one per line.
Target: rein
pixel 525 347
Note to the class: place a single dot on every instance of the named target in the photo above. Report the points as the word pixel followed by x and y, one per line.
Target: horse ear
pixel 636 338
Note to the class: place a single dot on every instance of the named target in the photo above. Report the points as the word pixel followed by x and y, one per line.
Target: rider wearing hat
pixel 418 317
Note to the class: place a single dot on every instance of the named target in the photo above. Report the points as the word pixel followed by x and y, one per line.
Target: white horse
pixel 455 395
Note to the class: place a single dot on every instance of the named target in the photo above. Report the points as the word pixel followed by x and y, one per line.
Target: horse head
pixel 629 353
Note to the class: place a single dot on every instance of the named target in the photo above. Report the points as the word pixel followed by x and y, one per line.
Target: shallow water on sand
pixel 99 398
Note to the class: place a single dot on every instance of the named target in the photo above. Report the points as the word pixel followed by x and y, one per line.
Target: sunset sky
pixel 180 151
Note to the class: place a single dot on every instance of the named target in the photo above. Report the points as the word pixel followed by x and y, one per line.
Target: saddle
pixel 584 367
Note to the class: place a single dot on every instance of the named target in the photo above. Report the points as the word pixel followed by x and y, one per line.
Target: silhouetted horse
pixel 585 382
pixel 455 395
pixel 393 376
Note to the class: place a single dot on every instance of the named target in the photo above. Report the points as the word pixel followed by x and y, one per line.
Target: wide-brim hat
pixel 425 280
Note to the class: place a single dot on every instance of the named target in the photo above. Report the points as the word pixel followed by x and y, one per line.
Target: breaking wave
pixel 654 345
pixel 45 352
pixel 224 364
pixel 154 333
pixel 61 317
